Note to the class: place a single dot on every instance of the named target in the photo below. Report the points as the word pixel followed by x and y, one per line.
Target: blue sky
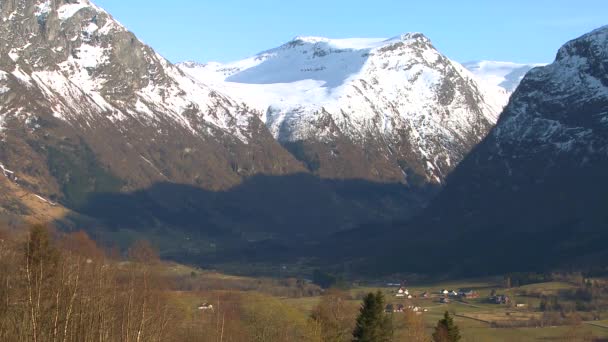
pixel 464 30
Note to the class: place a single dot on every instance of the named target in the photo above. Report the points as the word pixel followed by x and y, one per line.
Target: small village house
pixel 403 292
pixel 205 307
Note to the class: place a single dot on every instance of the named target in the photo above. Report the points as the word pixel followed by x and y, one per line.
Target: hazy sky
pixel 464 30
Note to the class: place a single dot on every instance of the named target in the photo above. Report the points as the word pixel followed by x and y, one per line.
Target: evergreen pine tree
pixel 373 324
pixel 446 330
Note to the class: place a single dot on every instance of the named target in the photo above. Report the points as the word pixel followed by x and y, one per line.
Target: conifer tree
pixel 446 330
pixel 373 324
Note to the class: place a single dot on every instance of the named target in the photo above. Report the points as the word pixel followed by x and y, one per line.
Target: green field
pixel 474 317
pixel 477 318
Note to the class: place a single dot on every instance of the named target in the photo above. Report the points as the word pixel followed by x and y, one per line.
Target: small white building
pixel 205 307
pixel 403 292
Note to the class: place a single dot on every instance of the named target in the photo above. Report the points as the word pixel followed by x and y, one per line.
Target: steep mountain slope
pixel 77 85
pixel 96 121
pixel 383 109
pixel 506 75
pixel 534 194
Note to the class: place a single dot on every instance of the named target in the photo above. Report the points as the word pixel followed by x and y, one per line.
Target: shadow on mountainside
pixel 543 212
pixel 265 217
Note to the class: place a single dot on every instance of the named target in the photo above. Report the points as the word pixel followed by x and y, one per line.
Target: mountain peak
pixel 411 36
pixel 310 39
pixel 399 90
pixel 355 43
pixel 589 45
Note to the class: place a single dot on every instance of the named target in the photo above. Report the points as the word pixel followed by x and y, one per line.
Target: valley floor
pixel 478 319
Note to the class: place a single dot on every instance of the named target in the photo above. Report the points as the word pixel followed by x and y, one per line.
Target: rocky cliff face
pixel 384 109
pixel 533 195
pixel 313 137
pixel 85 104
pixel 93 120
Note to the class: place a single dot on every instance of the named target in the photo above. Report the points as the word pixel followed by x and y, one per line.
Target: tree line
pixel 62 287
pixel 69 290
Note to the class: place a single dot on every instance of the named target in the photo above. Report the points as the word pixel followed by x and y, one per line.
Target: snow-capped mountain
pixel 94 120
pixel 74 78
pixel 537 184
pixel 388 109
pixel 506 75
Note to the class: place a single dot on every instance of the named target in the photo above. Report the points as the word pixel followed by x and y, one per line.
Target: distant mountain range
pixel 96 123
pixel 384 109
pixel 506 75
pixel 533 195
pixel 316 137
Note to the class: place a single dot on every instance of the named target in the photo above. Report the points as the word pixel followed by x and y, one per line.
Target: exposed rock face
pixel 533 195
pixel 555 129
pixel 96 121
pixel 384 109
pixel 83 100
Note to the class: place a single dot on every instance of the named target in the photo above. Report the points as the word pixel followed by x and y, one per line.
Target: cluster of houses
pixel 390 308
pixel 404 293
pixel 445 296
pixel 462 293
pixel 444 293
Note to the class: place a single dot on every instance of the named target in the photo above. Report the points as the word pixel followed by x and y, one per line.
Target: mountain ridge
pixel 92 117
pixel 87 110
pixel 532 195
pixel 314 90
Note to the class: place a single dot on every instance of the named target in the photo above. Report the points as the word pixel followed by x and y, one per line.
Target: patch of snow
pixel 78 94
pixel 152 165
pixel 348 43
pixel 13 55
pixel 142 108
pixel 67 11
pixel 6 172
pixel 91 28
pixel 111 25
pixel 41 198
pixel 43 8
pixel 21 75
pixel 92 56
pixel 506 75
pixel 3 78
